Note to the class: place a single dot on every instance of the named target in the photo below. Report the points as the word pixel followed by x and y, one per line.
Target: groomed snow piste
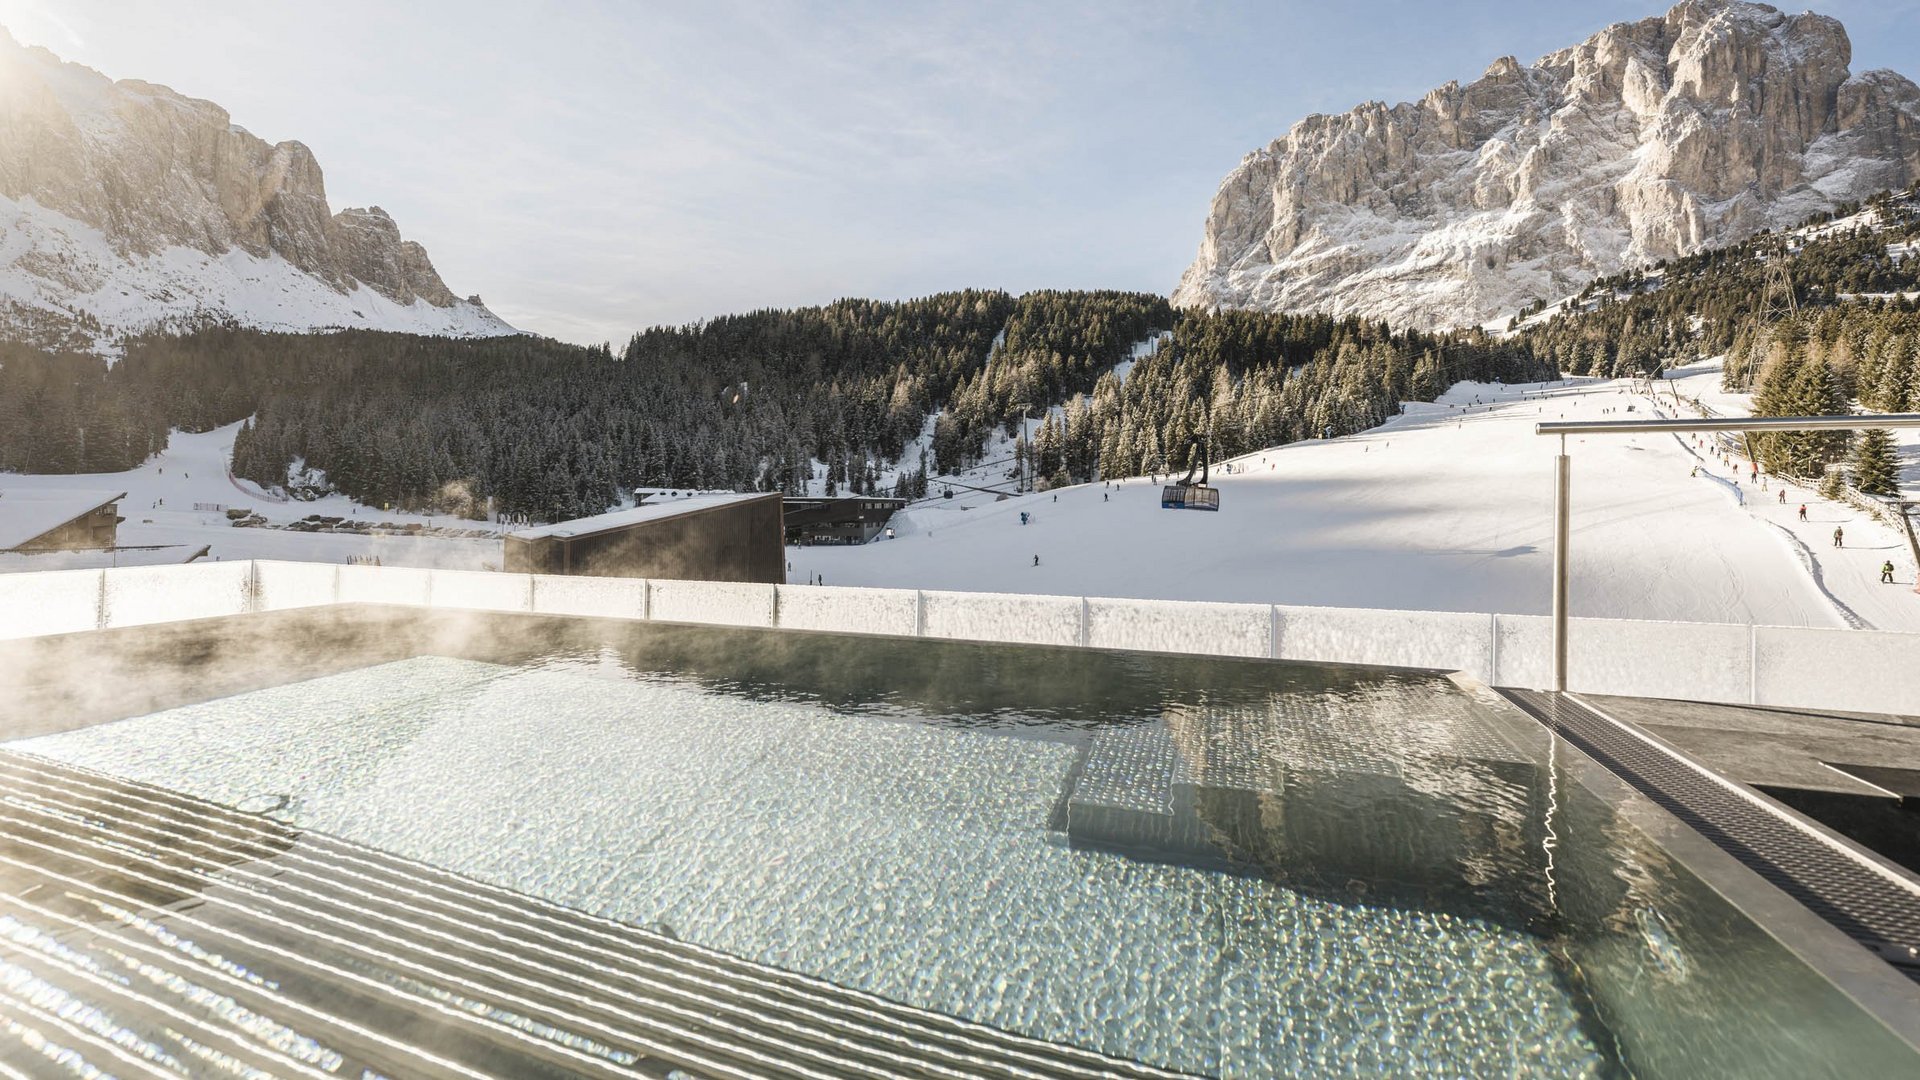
pixel 1447 507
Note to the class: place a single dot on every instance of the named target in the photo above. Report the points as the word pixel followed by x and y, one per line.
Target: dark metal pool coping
pixel 495 973
pixel 1855 894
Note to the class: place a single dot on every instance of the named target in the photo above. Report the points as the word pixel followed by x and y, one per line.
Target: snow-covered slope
pixel 1652 139
pixel 125 206
pixel 1448 507
pixel 176 503
pixel 1445 508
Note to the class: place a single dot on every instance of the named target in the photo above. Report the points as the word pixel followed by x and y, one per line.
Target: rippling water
pixel 1261 884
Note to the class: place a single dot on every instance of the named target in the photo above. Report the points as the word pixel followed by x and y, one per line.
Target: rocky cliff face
pixel 1651 139
pixel 125 205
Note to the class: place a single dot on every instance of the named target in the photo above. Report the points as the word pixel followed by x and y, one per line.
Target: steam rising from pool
pixel 922 861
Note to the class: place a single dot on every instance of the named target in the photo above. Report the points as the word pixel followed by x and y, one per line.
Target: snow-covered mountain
pixel 125 206
pixel 1652 139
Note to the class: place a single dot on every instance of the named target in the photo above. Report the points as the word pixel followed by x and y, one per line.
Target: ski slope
pixel 159 512
pixel 1447 507
pixel 1849 574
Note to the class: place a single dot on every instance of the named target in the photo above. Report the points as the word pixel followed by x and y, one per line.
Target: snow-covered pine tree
pixel 1893 374
pixel 1875 471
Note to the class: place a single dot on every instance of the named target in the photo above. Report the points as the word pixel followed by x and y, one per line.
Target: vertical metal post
pixel 1913 542
pixel 1561 521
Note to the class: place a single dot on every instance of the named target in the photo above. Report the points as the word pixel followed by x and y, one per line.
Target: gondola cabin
pixel 1189 497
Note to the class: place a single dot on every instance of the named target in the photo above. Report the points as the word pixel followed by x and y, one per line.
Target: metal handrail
pixel 1729 423
pixel 1562 481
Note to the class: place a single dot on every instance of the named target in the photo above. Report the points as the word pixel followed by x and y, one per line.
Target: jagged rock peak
pixel 128 181
pixel 1650 139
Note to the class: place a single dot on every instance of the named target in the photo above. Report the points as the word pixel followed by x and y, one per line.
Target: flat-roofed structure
pixel 711 536
pixel 58 519
pixel 854 519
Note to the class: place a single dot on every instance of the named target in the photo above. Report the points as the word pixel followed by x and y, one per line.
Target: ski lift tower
pixel 1023 450
pixel 1778 304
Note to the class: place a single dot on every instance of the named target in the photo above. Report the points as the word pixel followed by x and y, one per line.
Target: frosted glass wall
pixel 1032 620
pixel 1443 640
pixel 1856 670
pixel 1792 667
pixel 476 590
pixel 49 602
pixel 138 595
pixel 285 585
pixel 589 597
pixel 726 603
pixel 1712 661
pixel 404 585
pixel 1522 652
pixel 1174 626
pixel 893 612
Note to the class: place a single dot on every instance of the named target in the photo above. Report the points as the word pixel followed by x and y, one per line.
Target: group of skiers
pixel 1753 474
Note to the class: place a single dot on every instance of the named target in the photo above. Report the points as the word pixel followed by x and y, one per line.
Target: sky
pixel 592 169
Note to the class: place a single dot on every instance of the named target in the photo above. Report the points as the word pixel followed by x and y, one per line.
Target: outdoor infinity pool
pixel 1230 868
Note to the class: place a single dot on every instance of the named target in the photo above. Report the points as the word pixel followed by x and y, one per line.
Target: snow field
pixel 1445 508
pixel 159 511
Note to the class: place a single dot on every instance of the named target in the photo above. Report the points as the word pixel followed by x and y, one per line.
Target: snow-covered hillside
pixel 160 514
pixel 1447 507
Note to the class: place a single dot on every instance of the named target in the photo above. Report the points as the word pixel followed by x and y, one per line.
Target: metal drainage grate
pixel 143 932
pixel 1864 903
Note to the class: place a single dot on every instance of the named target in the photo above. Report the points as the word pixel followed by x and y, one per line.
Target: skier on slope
pixel 1803 511
pixel 1839 537
pixel 1886 572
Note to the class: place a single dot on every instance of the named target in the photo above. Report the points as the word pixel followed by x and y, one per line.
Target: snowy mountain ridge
pixel 1652 139
pixel 125 206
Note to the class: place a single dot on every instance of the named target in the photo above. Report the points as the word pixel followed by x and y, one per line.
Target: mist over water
pixel 1060 842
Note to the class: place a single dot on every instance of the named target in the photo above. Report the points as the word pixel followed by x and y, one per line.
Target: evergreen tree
pixel 1875 469
pixel 1893 376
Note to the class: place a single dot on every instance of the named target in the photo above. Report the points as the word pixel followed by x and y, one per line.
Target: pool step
pixel 150 933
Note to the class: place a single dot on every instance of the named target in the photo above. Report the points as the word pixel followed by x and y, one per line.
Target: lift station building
pixel 52 519
pixel 701 536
